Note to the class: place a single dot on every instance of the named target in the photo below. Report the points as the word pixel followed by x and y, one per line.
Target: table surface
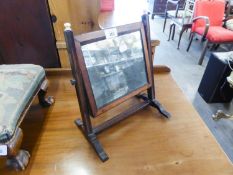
pixel 145 143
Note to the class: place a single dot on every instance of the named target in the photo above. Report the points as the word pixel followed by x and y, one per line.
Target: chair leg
pixel 203 39
pixel 190 42
pixel 181 33
pixel 152 16
pixel 173 32
pixel 216 47
pixel 190 34
pixel 212 47
pixel 165 21
pixel 170 31
pixel 203 53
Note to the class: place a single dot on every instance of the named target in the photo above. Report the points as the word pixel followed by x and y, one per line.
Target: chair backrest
pixel 188 8
pixel 214 9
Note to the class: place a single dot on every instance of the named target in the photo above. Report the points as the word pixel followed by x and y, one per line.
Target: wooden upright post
pixel 84 124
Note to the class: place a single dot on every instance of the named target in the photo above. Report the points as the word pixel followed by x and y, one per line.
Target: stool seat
pixel 18 85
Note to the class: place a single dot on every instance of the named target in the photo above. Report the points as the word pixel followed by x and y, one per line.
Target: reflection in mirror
pixel 115 67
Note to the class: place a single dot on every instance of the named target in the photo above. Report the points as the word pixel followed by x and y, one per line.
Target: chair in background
pixel 208 22
pixel 229 8
pixel 177 12
pixel 181 17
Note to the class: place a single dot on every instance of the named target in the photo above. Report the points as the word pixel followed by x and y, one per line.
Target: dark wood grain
pixel 26 34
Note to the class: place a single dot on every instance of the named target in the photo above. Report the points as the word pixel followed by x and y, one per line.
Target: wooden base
pixel 92 138
pixel 155 103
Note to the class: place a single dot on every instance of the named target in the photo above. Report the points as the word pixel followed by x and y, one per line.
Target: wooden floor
pixel 143 144
pixel 188 74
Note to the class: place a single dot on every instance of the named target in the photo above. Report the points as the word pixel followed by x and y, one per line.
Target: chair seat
pixel 18 85
pixel 172 13
pixel 216 34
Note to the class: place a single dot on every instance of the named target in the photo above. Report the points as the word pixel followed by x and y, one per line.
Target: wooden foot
pixel 155 103
pixel 45 101
pixel 93 141
pixel 20 161
pixel 16 158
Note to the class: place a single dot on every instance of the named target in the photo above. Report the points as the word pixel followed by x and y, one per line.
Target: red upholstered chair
pixel 208 22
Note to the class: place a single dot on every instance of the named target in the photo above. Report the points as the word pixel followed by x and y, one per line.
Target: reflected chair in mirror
pixel 208 23
pixel 181 17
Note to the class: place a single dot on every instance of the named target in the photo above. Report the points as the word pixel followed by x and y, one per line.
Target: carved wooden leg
pixel 16 158
pixel 93 141
pixel 20 161
pixel 45 102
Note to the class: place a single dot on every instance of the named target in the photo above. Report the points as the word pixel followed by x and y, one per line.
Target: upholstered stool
pixel 19 84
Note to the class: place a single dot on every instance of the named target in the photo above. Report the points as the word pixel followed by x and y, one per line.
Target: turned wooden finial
pixel 67 26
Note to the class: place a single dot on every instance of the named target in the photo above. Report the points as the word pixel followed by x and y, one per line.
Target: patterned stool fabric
pixel 18 84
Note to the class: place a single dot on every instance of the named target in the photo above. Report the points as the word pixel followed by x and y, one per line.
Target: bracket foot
pixel 45 101
pixel 155 103
pixel 92 139
pixel 20 161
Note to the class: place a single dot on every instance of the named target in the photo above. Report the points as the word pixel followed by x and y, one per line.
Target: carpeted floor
pixel 187 74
